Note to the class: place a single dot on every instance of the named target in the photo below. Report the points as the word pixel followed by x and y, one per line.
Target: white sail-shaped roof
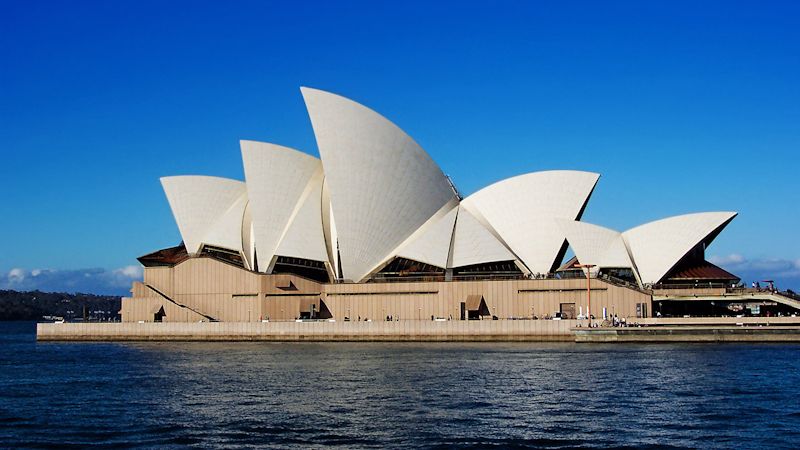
pixel 227 231
pixel 474 244
pixel 657 246
pixel 596 245
pixel 277 177
pixel 383 185
pixel 433 246
pixel 329 228
pixel 305 238
pixel 208 210
pixel 248 242
pixel 521 211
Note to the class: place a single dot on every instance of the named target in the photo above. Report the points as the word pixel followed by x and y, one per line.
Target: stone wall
pixel 475 330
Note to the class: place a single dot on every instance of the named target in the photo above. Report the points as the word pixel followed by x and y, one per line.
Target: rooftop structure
pixel 376 206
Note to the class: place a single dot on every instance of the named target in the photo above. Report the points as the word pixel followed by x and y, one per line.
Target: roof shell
pixel 227 231
pixel 596 245
pixel 474 244
pixel 305 238
pixel 277 178
pixel 433 246
pixel 329 230
pixel 208 210
pixel 658 246
pixel 383 185
pixel 248 242
pixel 521 211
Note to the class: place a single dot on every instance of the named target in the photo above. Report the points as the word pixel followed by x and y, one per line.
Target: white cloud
pixel 733 258
pixel 16 275
pixel 130 271
pixel 95 281
pixel 785 272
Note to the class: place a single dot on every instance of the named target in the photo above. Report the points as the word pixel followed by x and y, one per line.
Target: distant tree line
pixel 37 305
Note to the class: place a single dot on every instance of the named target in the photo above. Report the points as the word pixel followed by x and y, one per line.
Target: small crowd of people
pixel 539 276
pixel 348 319
pixel 618 321
pixel 770 287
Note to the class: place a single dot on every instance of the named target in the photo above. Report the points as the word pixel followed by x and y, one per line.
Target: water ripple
pixel 395 395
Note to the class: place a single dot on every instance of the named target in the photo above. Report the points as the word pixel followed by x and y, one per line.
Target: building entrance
pixel 567 311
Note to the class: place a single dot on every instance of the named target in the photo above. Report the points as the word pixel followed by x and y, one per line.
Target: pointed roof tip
pixel 207 177
pixel 728 214
pixel 248 145
pixel 306 90
pixel 167 180
pixel 563 223
pixel 309 92
pixel 540 173
pixel 243 142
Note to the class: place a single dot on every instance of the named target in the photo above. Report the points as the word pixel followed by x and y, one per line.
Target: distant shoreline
pixel 35 305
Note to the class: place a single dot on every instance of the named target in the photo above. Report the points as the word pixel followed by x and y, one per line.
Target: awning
pixel 474 302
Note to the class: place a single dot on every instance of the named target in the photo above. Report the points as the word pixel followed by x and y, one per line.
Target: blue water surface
pixel 378 395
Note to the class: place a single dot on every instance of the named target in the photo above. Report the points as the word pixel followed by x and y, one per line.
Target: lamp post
pixel 588 268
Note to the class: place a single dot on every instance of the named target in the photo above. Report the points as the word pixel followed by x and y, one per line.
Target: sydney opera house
pixel 374 230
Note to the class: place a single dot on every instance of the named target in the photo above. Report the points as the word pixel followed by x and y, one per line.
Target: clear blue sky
pixel 681 106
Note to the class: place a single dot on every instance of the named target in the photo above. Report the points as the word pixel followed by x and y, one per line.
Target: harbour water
pixel 377 395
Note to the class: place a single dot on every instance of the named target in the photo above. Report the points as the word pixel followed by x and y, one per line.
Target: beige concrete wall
pixel 225 307
pixel 139 289
pixel 505 298
pixel 209 276
pixel 456 330
pixel 231 294
pixel 142 309
pixel 487 330
pixel 217 289
pixel 283 303
pixel 159 278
